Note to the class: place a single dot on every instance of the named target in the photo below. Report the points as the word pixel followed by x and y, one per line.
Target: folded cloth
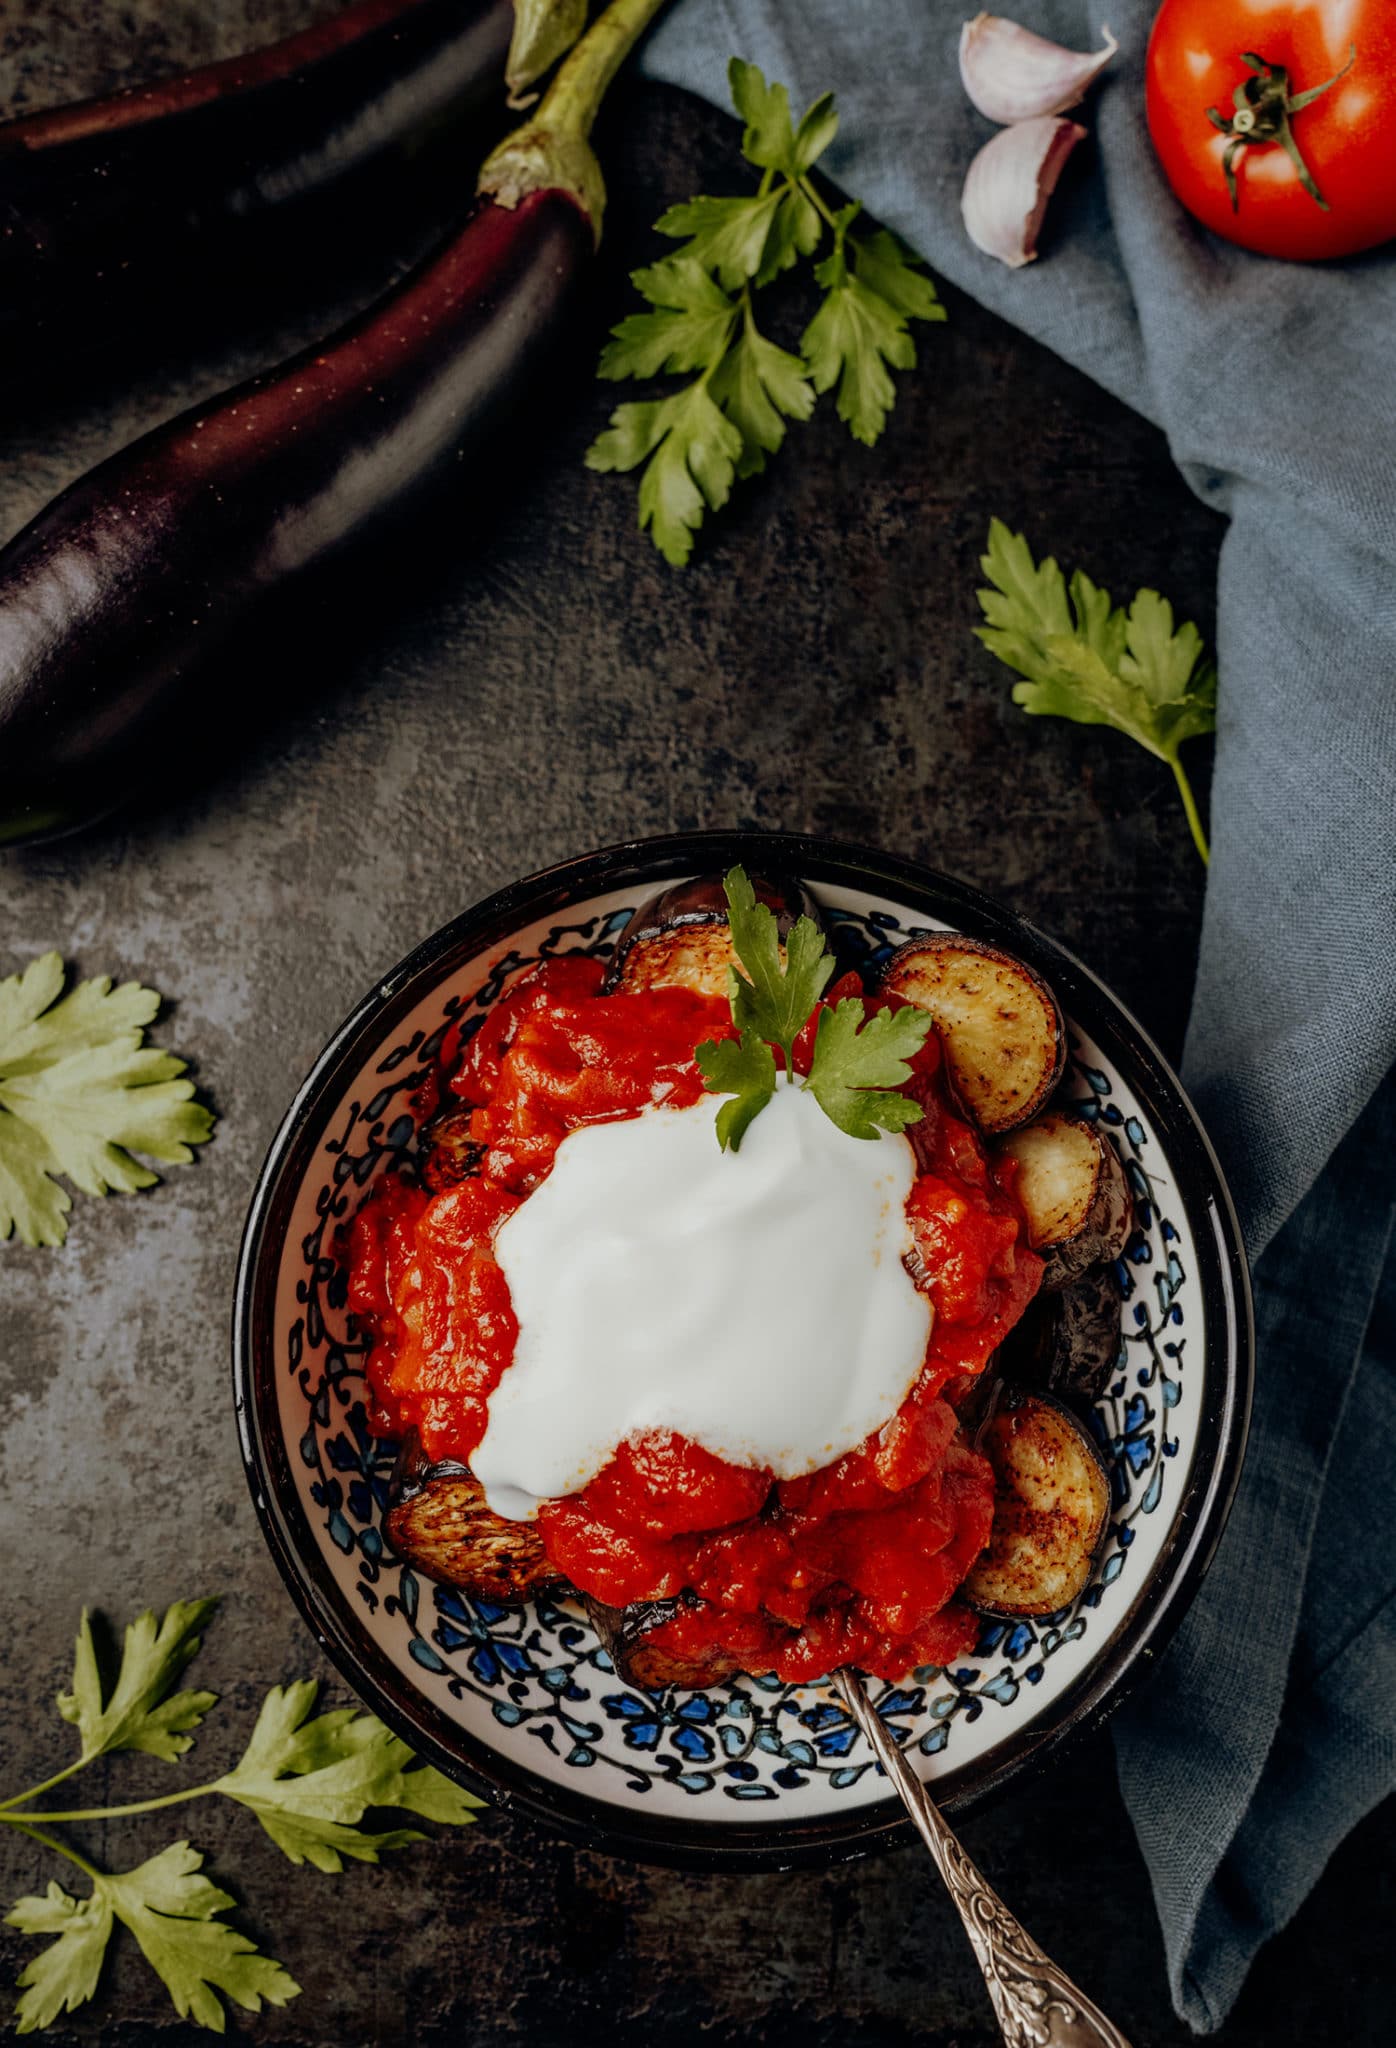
pixel 1268 1729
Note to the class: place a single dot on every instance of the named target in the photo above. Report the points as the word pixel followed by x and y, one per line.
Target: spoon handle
pixel 1036 2004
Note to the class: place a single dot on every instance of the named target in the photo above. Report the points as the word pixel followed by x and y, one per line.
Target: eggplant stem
pixel 551 151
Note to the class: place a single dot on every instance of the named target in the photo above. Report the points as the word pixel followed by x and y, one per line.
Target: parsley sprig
pixel 744 389
pixel 1085 658
pixel 80 1092
pixel 858 1063
pixel 309 1778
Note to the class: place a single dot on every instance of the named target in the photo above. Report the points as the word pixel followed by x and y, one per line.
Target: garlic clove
pixel 1013 75
pixel 1009 183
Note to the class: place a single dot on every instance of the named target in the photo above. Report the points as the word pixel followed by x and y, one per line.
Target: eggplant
pixel 628 1637
pixel 1051 1510
pixel 117 593
pixel 682 937
pixel 449 1154
pixel 438 1521
pixel 1003 1033
pixel 1073 1193
pixel 1069 1342
pixel 133 210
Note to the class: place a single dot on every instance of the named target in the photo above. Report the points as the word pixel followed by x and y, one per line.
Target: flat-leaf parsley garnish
pixel 858 1063
pixel 80 1093
pixel 309 1778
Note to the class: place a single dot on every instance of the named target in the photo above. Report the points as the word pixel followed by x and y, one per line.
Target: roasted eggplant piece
pixel 1004 1038
pixel 438 1520
pixel 1069 1341
pixel 1051 1510
pixel 627 1636
pixel 449 1153
pixel 1073 1192
pixel 682 938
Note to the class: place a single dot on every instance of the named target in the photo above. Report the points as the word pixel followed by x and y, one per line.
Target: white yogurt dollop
pixel 755 1301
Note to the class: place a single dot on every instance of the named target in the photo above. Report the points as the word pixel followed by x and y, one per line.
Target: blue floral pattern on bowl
pixel 533 1682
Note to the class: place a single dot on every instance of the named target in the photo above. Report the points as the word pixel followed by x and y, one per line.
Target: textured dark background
pixel 440 731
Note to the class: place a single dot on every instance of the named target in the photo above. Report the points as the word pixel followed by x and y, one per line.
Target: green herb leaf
pixel 759 388
pixel 858 1066
pixel 170 1909
pixel 1083 658
pixel 79 1094
pixel 775 997
pixel 310 1781
pixel 691 450
pixel 858 332
pixel 64 1975
pixel 727 236
pixel 138 1715
pixel 745 1069
pixel 690 329
pixel 768 139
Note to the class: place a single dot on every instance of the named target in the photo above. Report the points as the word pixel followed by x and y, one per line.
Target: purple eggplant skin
pixel 118 592
pixel 702 900
pixel 123 212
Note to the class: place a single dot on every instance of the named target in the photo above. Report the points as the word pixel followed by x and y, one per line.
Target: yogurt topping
pixel 754 1301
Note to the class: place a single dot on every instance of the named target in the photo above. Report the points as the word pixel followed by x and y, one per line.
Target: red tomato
pixel 1345 136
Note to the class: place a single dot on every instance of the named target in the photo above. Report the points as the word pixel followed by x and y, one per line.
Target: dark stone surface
pixel 502 706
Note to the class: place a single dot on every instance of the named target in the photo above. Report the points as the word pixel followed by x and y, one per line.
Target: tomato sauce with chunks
pixel 857 1562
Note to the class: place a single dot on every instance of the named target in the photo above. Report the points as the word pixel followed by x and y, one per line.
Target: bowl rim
pixel 1204 1505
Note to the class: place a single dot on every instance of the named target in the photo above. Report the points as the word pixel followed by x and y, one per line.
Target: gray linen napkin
pixel 1270 1728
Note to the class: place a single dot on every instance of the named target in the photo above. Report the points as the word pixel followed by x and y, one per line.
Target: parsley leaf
pixel 861 328
pixel 726 236
pixel 759 388
pixel 1084 658
pixel 309 1781
pixel 692 324
pixel 692 450
pixel 170 1909
pixel 64 1975
pixel 698 440
pixel 775 996
pixel 858 1066
pixel 79 1093
pixel 138 1715
pixel 745 1069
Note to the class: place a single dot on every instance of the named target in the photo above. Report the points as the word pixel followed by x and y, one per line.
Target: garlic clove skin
pixel 1009 183
pixel 1013 75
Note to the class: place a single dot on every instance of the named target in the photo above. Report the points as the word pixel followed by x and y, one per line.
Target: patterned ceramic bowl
pixel 521 1703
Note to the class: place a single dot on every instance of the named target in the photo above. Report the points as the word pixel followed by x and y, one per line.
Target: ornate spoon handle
pixel 1035 2003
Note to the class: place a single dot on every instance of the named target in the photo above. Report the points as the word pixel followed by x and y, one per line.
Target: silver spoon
pixel 1036 2004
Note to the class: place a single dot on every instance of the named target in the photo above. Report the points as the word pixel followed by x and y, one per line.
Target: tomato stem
pixel 1262 109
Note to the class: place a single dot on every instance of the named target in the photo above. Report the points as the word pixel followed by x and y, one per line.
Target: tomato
pixel 1346 135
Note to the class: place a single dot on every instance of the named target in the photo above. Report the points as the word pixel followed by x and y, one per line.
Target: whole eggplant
pixel 132 209
pixel 112 598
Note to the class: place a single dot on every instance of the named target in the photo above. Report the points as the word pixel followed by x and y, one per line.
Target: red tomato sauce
pixel 857 1562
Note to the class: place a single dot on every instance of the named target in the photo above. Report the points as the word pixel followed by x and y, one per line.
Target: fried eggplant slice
pixel 1069 1341
pixel 449 1153
pixel 1004 1038
pixel 439 1522
pixel 1073 1192
pixel 681 937
pixel 627 1636
pixel 1051 1510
